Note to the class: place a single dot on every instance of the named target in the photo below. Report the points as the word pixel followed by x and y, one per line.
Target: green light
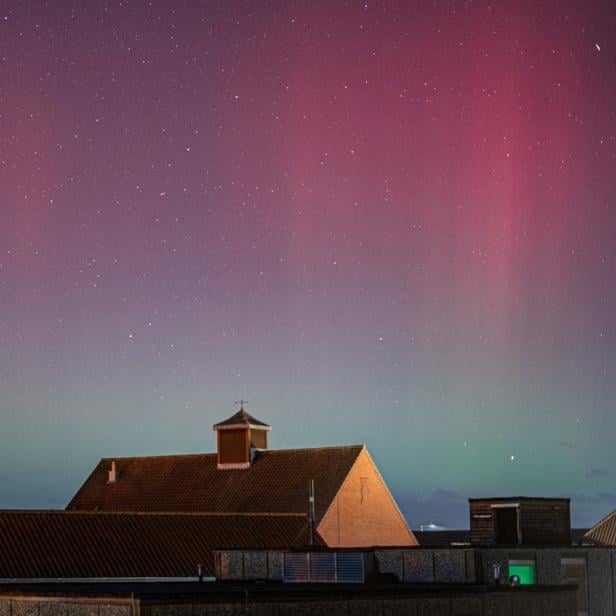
pixel 526 573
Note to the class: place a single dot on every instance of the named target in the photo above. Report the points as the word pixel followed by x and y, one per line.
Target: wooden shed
pixel 520 520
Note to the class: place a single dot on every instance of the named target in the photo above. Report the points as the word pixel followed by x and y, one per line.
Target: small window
pixel 526 570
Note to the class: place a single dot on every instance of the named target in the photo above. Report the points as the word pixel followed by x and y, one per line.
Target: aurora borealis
pixel 380 222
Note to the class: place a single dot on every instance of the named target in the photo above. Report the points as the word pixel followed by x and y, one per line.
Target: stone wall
pixel 427 566
pixel 51 607
pixel 600 583
pixel 233 565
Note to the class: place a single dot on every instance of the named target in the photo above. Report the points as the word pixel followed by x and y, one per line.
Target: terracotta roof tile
pixel 62 544
pixel 603 533
pixel 276 481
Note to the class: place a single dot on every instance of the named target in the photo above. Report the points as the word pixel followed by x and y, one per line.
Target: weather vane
pixel 241 402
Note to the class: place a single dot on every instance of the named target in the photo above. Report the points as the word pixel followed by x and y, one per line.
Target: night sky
pixel 380 222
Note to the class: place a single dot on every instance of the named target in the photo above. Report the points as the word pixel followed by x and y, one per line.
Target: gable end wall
pixel 364 512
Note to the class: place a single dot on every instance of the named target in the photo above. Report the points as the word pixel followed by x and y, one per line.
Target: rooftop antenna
pixel 241 402
pixel 312 516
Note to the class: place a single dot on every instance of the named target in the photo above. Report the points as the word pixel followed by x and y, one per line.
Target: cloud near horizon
pixel 597 472
pixel 443 507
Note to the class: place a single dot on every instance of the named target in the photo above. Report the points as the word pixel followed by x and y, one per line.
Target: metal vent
pixel 350 567
pixel 322 567
pixel 295 568
pixel 332 567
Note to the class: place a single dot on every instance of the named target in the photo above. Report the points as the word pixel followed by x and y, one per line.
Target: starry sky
pixel 381 222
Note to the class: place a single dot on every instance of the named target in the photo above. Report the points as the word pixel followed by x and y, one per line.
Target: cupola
pixel 238 437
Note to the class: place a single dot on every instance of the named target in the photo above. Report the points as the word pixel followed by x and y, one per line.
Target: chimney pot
pixel 113 473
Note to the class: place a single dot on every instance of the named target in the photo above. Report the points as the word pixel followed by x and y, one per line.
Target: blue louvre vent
pixel 322 567
pixel 295 568
pixel 332 567
pixel 350 567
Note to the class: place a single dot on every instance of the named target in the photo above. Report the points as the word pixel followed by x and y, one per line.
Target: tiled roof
pixel 603 533
pixel 63 544
pixel 276 481
pixel 241 418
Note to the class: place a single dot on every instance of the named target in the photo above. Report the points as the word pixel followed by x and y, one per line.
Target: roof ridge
pixel 204 514
pixel 159 455
pixel 196 455
pixel 357 445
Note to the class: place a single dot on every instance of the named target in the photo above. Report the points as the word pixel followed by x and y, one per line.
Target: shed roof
pixel 525 499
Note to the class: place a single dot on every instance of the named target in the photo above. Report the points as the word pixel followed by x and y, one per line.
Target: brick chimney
pixel 237 438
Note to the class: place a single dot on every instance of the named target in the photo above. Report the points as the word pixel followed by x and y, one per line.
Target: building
pixel 531 538
pixel 249 530
pixel 349 505
pixel 520 520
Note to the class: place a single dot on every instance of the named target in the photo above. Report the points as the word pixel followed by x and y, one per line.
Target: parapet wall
pixel 277 601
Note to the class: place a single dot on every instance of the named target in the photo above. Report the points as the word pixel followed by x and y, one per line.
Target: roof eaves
pixel 241 425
